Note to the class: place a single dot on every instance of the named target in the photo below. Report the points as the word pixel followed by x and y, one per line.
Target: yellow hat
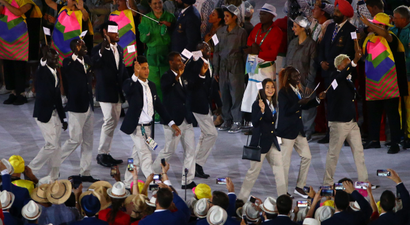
pixel 203 191
pixel 379 208
pixel 330 203
pixel 18 163
pixel 29 185
pixel 381 18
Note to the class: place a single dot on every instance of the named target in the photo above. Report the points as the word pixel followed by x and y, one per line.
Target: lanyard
pixel 143 131
pixel 256 37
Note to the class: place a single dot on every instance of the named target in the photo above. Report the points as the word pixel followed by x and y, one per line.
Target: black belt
pixel 145 125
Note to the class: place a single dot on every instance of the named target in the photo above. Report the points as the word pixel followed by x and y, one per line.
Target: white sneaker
pixel 3 90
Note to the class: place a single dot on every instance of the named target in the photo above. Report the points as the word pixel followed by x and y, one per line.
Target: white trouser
pixel 51 152
pixel 187 138
pixel 111 113
pixel 140 153
pixel 302 148
pixel 80 128
pixel 274 158
pixel 207 138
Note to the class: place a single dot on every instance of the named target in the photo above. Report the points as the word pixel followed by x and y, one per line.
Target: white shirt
pixel 179 79
pixel 75 57
pixel 114 49
pixel 340 26
pixel 144 117
pixel 160 210
pixel 53 71
pixel 209 67
pixel 182 11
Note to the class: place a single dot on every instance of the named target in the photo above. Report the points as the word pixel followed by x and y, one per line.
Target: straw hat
pixel 251 213
pixel 31 211
pixel 8 166
pixel 118 191
pixel 216 215
pixel 39 194
pixel 101 183
pixel 268 205
pixel 201 207
pixel 6 199
pixel 59 191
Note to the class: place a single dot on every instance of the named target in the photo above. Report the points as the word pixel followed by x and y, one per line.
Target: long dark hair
pixel 221 16
pixel 116 205
pixel 262 93
pixel 284 77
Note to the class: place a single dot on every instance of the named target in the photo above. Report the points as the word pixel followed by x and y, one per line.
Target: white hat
pixel 248 9
pixel 355 206
pixel 153 200
pixel 118 191
pixel 201 207
pixel 268 205
pixel 251 213
pixel 302 213
pixel 269 9
pixel 311 221
pixel 216 215
pixel 231 8
pixel 31 211
pixel 8 166
pixel 44 180
pixel 324 212
pixel 301 21
pixel 6 199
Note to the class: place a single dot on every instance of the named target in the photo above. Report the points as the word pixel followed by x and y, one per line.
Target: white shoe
pixel 3 90
pixel 30 94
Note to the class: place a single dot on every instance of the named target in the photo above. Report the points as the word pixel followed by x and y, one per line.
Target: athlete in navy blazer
pixel 90 221
pixel 187 33
pixel 22 196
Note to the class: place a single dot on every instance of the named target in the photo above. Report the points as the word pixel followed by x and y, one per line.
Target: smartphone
pixel 361 185
pixel 325 187
pixel 252 199
pixel 113 171
pixel 153 187
pixel 130 165
pixel 339 186
pixel 157 178
pixel 163 162
pixel 306 189
pixel 326 192
pixel 303 204
pixel 220 180
pixel 383 173
pixel 245 219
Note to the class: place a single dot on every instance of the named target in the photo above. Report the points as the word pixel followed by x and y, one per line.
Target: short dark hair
pixel 284 204
pixel 164 197
pixel 105 26
pixel 172 55
pixel 342 200
pixel 73 44
pixel 387 201
pixel 378 3
pixel 221 199
pixel 141 59
pixel 345 179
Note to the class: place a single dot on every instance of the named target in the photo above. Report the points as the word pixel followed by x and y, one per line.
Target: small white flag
pixel 354 35
pixel 197 55
pixel 131 48
pixel 259 85
pixel 83 33
pixel 46 31
pixel 187 54
pixel 334 84
pixel 215 39
pixel 112 29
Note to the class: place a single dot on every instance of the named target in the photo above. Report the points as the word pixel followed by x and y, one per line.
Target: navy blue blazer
pixel 342 44
pixel 280 220
pixel 229 221
pixel 290 114
pixel 134 94
pixel 201 90
pixel 179 217
pixel 340 102
pixel 351 217
pixel 401 217
pixel 48 96
pixel 89 221
pixel 9 219
pixel 109 78
pixel 77 85
pixel 232 203
pixel 263 133
pixel 187 32
pixel 174 95
pixel 22 196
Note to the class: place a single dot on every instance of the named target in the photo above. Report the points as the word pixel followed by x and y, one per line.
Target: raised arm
pixel 16 11
pixel 52 4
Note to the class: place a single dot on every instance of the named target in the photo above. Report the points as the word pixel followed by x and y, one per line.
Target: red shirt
pixel 121 219
pixel 282 23
pixel 271 45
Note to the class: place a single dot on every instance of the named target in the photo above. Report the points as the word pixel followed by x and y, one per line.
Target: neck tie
pixel 299 96
pixel 149 100
pixel 335 32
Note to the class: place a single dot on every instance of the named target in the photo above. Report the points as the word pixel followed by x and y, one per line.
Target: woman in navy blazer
pixel 290 125
pixel 263 119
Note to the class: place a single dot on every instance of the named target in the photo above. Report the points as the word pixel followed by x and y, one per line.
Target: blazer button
pixel 352 100
pixel 300 117
pixel 271 132
pixel 273 122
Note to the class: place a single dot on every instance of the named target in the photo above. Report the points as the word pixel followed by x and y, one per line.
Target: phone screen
pixel 383 173
pixel 157 178
pixel 303 203
pixel 339 186
pixel 326 192
pixel 220 180
pixel 113 171
pixel 306 189
pixel 325 187
pixel 252 199
pixel 361 185
pixel 130 165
